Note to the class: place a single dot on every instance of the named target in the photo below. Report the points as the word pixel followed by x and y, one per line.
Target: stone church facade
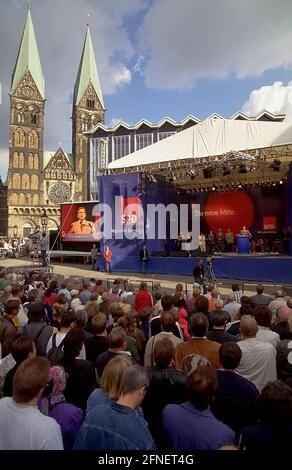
pixel 39 180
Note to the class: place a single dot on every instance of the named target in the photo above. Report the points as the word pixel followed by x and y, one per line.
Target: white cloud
pixel 119 77
pixel 276 98
pixel 184 40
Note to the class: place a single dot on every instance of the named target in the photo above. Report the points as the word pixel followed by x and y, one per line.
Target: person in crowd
pixel 232 307
pixel 38 330
pixel 52 403
pixel 167 321
pixel 277 302
pixel 198 272
pixel 22 425
pixel 75 298
pixel 237 292
pixel 32 297
pixel 218 333
pixel 68 322
pixel 81 377
pixel 274 429
pixel 64 290
pixel 21 348
pixel 284 357
pixel 143 298
pixel 145 316
pixel 85 294
pixel 236 396
pixel 191 425
pixel 98 343
pixel 182 315
pixel 110 382
pixel 258 362
pixel 166 385
pixel 212 301
pixel 132 345
pixel 144 257
pixel 17 293
pixel 58 312
pixel 191 302
pixel 124 429
pixel 260 298
pixel 107 258
pixel 114 294
pixel 8 330
pixel 179 291
pixel 281 325
pixel 198 344
pixel 263 316
pixel 233 328
pixel 155 323
pixel 117 345
pixel 157 304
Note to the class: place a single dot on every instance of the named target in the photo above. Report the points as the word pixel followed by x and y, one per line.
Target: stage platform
pixel 270 268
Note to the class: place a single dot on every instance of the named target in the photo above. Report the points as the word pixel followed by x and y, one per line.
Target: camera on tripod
pixel 210 275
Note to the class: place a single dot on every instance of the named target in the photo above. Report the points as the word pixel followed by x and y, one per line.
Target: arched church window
pixel 34 182
pixel 15 160
pixel 21 160
pixel 21 199
pixel 16 181
pixel 25 181
pixel 20 117
pixel 35 200
pixel 33 139
pixel 30 161
pixel 36 161
pixel 19 138
pixel 14 199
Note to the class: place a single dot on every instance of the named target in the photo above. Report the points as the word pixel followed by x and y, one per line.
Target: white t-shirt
pixel 26 428
pixel 258 362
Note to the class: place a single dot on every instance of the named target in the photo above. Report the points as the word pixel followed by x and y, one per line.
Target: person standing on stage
pixel 44 247
pixel 94 257
pixel 229 237
pixel 198 272
pixel 180 239
pixel 244 231
pixel 211 242
pixel 144 258
pixel 220 240
pixel 202 243
pixel 107 257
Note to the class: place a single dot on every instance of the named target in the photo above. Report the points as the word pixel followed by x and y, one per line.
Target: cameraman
pixel 198 272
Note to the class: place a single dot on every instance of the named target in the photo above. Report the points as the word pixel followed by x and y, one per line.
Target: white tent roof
pixel 211 137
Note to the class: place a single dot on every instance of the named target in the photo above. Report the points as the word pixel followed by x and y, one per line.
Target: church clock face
pixel 27 90
pixel 59 192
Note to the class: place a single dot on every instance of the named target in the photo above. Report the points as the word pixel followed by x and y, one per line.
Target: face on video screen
pixel 79 223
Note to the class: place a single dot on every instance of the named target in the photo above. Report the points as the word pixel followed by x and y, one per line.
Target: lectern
pixel 242 244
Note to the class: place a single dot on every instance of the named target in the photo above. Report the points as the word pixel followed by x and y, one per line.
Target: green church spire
pixel 87 72
pixel 28 59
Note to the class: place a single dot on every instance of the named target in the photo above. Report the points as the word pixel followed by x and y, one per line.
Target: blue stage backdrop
pixel 266 211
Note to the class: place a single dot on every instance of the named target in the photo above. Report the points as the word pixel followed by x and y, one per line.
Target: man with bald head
pixel 281 324
pixel 279 301
pixel 258 362
pixel 232 307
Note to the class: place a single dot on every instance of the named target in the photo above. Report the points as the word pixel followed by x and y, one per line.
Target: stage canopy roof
pixel 210 138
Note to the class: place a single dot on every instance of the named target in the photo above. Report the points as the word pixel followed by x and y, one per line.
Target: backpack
pixel 55 354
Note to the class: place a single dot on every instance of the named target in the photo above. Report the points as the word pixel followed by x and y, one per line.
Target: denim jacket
pixel 114 427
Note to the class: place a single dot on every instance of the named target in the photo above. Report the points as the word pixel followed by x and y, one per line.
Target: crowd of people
pixel 126 368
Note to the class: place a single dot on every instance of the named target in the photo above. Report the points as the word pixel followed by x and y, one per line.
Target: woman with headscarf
pixel 53 404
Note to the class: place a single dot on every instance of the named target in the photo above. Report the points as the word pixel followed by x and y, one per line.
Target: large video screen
pixel 80 222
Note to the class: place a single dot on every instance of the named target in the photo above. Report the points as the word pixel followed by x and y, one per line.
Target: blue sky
pixel 156 58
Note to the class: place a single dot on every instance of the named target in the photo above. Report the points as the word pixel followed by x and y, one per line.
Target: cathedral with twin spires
pixel 39 180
